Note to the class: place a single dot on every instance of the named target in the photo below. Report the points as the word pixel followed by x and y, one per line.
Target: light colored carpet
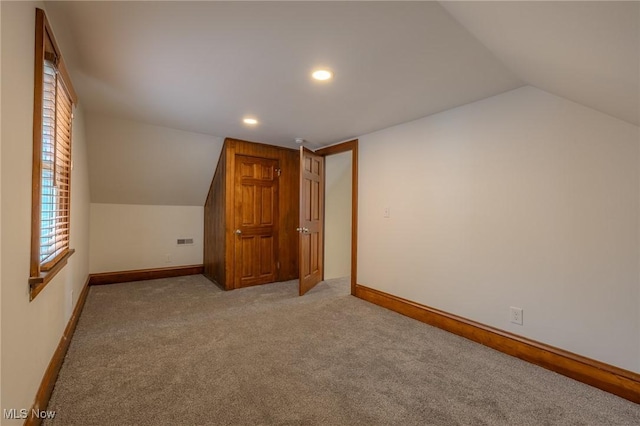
pixel 180 351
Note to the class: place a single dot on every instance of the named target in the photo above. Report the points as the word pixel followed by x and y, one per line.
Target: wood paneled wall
pixel 289 214
pixel 214 225
pixel 219 238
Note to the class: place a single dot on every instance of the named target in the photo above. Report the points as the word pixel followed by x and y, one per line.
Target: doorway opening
pixel 337 216
pixel 341 211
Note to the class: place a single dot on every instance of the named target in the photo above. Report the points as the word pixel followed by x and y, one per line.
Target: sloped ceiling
pixel 587 52
pixel 203 66
pixel 135 163
pixel 200 67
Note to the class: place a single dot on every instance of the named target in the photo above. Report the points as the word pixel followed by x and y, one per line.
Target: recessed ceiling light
pixel 322 75
pixel 251 121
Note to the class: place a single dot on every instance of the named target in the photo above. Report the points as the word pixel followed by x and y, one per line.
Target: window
pixel 54 99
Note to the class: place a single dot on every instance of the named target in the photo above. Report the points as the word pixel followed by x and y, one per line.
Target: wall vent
pixel 185 241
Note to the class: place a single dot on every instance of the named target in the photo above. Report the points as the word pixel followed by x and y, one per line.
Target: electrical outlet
pixel 387 212
pixel 516 315
pixel 168 259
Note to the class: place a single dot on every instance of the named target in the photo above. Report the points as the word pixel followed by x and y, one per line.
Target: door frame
pixel 352 146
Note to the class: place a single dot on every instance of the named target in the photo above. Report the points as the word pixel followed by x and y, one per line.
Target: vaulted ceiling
pixel 203 66
pixel 588 52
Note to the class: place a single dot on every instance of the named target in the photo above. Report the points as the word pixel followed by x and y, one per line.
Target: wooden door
pixel 311 219
pixel 256 220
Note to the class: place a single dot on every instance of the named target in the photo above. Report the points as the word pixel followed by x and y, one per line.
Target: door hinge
pixel 277 265
pixel 278 172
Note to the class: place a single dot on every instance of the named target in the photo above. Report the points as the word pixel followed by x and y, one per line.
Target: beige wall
pixel 126 236
pixel 148 188
pixel 524 199
pixel 0 207
pixel 31 331
pixel 337 243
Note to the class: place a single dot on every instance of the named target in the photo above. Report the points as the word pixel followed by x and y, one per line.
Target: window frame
pixel 38 276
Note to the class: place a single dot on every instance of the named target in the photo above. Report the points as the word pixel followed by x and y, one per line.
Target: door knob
pixel 303 230
pixel 237 231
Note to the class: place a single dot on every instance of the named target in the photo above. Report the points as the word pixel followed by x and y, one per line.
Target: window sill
pixel 37 284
